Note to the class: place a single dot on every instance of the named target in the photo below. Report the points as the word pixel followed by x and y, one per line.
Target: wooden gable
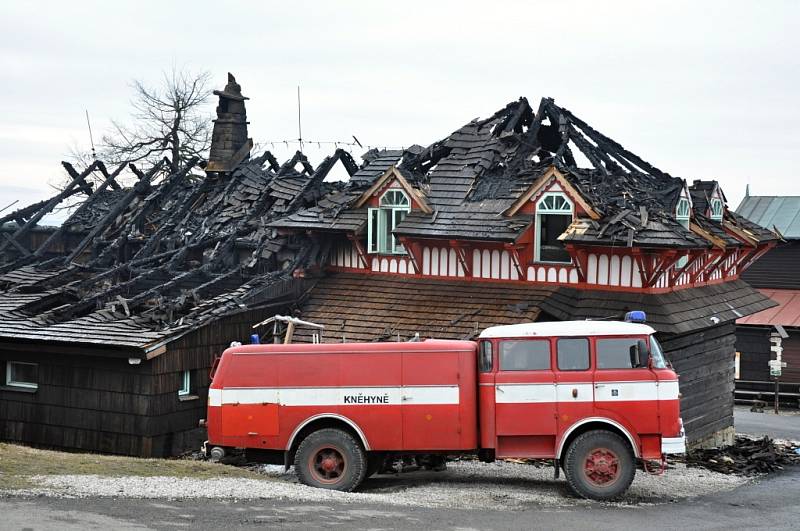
pixel 543 183
pixel 385 181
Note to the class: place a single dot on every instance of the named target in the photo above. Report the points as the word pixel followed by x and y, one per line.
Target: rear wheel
pixel 599 465
pixel 330 459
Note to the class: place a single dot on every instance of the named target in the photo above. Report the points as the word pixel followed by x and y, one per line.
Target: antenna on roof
pixel 91 140
pixel 299 124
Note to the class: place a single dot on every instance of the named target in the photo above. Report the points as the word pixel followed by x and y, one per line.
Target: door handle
pixel 575 392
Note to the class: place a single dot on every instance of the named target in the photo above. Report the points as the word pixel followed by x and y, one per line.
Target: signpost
pixel 776 366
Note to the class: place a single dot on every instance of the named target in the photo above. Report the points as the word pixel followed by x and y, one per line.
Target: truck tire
pixel 599 465
pixel 330 459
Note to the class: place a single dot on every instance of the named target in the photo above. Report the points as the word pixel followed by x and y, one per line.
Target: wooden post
pixel 289 333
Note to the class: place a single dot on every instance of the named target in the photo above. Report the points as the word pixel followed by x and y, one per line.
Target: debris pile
pixel 747 457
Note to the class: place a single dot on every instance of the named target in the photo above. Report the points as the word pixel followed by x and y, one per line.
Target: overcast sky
pixel 702 90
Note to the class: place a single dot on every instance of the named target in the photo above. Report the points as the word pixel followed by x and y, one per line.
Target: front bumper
pixel 673 445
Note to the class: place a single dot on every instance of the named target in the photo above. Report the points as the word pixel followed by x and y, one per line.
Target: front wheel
pixel 599 465
pixel 330 459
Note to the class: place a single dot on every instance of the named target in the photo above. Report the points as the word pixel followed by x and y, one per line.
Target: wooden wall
pixel 752 342
pixel 103 404
pixel 91 403
pixel 704 361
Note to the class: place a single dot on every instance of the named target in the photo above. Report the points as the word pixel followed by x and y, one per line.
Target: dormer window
pixel 682 217
pixel 716 209
pixel 394 205
pixel 554 213
pixel 682 212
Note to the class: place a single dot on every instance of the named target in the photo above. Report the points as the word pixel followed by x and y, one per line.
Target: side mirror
pixel 638 351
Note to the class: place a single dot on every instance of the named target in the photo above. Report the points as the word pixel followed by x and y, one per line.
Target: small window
pixel 573 354
pixel 394 205
pixel 525 355
pixel 716 209
pixel 485 357
pixel 616 353
pixel 553 217
pixel 20 374
pixel 186 383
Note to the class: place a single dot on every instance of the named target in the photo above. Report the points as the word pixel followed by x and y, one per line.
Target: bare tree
pixel 168 120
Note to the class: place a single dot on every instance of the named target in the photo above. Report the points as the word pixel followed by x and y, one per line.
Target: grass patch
pixel 18 464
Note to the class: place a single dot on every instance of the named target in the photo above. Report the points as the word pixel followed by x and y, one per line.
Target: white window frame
pixel 682 216
pixel 543 210
pixel 186 383
pixel 717 209
pixel 24 385
pixel 377 219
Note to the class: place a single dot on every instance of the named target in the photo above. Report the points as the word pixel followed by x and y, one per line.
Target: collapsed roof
pixel 472 178
pixel 160 258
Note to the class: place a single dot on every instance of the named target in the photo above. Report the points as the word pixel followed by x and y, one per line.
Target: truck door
pixel 574 379
pixel 430 400
pixel 625 389
pixel 525 396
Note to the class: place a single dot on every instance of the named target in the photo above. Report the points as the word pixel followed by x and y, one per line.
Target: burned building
pixel 108 329
pixel 532 215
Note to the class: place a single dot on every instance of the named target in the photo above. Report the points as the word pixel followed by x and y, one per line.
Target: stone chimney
pixel 229 142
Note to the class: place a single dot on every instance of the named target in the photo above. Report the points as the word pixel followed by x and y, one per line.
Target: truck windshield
pixel 657 354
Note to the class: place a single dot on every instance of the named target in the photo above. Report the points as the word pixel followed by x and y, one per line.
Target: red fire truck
pixel 594 396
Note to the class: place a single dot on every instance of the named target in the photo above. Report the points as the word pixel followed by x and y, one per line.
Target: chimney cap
pixel 232 90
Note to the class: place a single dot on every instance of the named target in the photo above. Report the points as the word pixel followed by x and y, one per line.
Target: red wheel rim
pixel 601 467
pixel 327 465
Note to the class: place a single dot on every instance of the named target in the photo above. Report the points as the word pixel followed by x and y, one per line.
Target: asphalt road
pixel 783 426
pixel 769 504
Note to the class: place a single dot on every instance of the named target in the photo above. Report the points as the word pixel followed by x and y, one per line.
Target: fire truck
pixel 596 397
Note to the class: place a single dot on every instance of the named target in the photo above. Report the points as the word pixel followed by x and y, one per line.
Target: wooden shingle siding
pixel 704 361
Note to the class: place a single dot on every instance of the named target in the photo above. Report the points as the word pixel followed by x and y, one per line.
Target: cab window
pixel 573 354
pixel 657 354
pixel 485 357
pixel 525 355
pixel 616 353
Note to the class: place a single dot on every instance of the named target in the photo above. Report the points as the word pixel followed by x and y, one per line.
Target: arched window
pixel 682 216
pixel 716 209
pixel 554 213
pixel 682 212
pixel 394 205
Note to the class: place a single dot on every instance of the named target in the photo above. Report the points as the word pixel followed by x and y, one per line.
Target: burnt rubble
pixel 747 456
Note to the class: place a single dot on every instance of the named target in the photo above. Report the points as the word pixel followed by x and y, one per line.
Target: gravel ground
pixel 465 485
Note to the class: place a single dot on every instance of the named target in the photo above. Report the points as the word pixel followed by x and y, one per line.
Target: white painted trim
pixel 603 420
pixel 344 419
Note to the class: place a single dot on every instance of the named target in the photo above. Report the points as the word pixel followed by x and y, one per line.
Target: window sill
pixel 545 262
pixel 19 389
pixel 188 398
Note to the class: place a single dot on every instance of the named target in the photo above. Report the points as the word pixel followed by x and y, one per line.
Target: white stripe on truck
pixel 514 393
pixel 336 396
pixel 506 393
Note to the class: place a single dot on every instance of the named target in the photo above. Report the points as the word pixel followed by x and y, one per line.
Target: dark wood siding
pixel 777 268
pixel 704 361
pixel 104 404
pixel 752 342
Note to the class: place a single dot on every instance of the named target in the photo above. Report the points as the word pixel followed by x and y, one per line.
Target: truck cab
pixel 605 384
